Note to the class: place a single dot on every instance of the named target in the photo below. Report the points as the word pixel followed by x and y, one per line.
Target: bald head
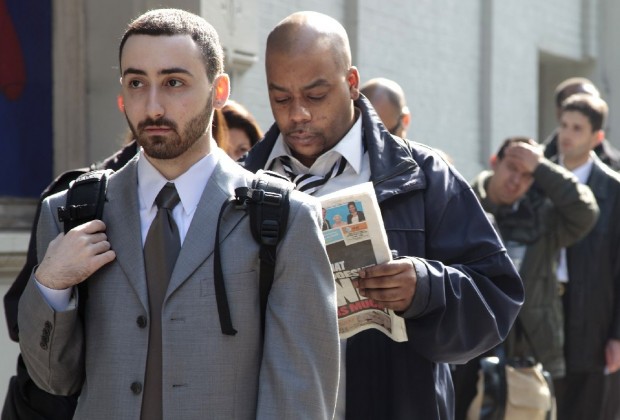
pixel 312 84
pixel 308 31
pixel 388 99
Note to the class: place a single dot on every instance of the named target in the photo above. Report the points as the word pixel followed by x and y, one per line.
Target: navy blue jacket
pixel 468 292
pixel 592 300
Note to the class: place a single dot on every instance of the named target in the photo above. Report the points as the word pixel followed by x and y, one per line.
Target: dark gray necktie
pixel 161 250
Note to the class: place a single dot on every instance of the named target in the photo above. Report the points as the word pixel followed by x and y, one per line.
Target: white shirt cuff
pixel 59 300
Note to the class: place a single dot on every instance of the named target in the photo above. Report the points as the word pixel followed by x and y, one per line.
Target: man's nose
pixel 300 112
pixel 154 107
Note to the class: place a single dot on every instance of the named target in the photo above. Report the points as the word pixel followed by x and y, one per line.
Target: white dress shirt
pixel 189 185
pixel 350 147
pixel 582 173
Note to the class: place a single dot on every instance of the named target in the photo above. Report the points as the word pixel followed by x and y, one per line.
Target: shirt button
pixel 141 321
pixel 136 387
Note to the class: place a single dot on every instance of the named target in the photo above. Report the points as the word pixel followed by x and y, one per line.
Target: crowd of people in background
pixel 544 209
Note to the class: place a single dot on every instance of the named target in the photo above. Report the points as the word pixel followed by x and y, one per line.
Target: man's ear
pixel 353 79
pixel 493 161
pixel 406 118
pixel 221 88
pixel 600 136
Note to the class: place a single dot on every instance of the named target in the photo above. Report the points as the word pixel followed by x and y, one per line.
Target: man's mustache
pixel 160 122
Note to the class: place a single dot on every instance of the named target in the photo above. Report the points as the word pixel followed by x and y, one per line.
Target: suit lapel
pixel 122 217
pixel 200 239
pixel 598 180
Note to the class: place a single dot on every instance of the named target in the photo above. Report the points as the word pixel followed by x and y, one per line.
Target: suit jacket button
pixel 136 387
pixel 141 321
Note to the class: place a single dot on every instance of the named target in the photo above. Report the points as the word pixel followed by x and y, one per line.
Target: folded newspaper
pixel 355 238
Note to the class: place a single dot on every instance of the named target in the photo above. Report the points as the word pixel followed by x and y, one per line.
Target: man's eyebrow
pixel 316 83
pixel 273 86
pixel 172 70
pixel 131 70
pixel 311 85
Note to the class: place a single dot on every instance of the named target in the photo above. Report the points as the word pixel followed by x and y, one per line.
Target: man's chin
pixel 160 150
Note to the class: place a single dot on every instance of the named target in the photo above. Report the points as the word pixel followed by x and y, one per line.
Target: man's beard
pixel 175 144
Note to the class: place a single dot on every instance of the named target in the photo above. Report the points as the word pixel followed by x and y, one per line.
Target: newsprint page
pixel 355 238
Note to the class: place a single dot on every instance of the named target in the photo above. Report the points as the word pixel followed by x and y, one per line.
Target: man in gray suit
pixel 171 74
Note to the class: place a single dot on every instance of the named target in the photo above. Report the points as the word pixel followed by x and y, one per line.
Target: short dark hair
pixel 238 117
pixel 179 22
pixel 512 140
pixel 574 85
pixel 592 107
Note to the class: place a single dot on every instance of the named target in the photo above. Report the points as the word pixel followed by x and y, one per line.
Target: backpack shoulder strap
pixel 267 203
pixel 85 199
pixel 268 220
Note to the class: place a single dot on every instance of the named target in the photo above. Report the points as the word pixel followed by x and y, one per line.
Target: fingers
pixel 391 285
pixel 90 227
pixel 102 259
pixel 390 268
pixel 73 257
pixel 524 154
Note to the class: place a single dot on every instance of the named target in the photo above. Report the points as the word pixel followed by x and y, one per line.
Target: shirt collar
pixel 350 147
pixel 582 172
pixel 189 185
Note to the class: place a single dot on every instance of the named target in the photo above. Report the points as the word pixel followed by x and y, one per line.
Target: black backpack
pixel 266 202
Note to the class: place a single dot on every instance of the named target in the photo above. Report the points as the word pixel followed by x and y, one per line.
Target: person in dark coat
pixel 590 269
pixel 452 282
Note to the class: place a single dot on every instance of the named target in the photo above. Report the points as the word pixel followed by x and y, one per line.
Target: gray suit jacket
pixel 294 374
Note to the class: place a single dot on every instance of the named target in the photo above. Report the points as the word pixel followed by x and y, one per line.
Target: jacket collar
pixel 392 166
pixel 599 178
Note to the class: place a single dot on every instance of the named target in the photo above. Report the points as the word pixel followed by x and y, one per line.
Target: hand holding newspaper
pixel 355 238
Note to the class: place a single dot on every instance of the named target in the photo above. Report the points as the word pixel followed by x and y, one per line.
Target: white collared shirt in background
pixel 582 173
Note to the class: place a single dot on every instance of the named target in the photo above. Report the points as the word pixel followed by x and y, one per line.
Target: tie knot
pixel 310 183
pixel 168 197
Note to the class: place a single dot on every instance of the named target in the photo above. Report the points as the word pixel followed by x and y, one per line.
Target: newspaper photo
pixel 355 238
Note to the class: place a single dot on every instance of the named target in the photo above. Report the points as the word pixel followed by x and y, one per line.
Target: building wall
pixel 474 72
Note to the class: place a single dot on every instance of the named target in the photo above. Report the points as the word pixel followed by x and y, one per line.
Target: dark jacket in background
pixel 556 212
pixel 592 313
pixel 468 292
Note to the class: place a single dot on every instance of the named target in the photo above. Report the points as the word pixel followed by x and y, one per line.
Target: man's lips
pixel 302 137
pixel 159 129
